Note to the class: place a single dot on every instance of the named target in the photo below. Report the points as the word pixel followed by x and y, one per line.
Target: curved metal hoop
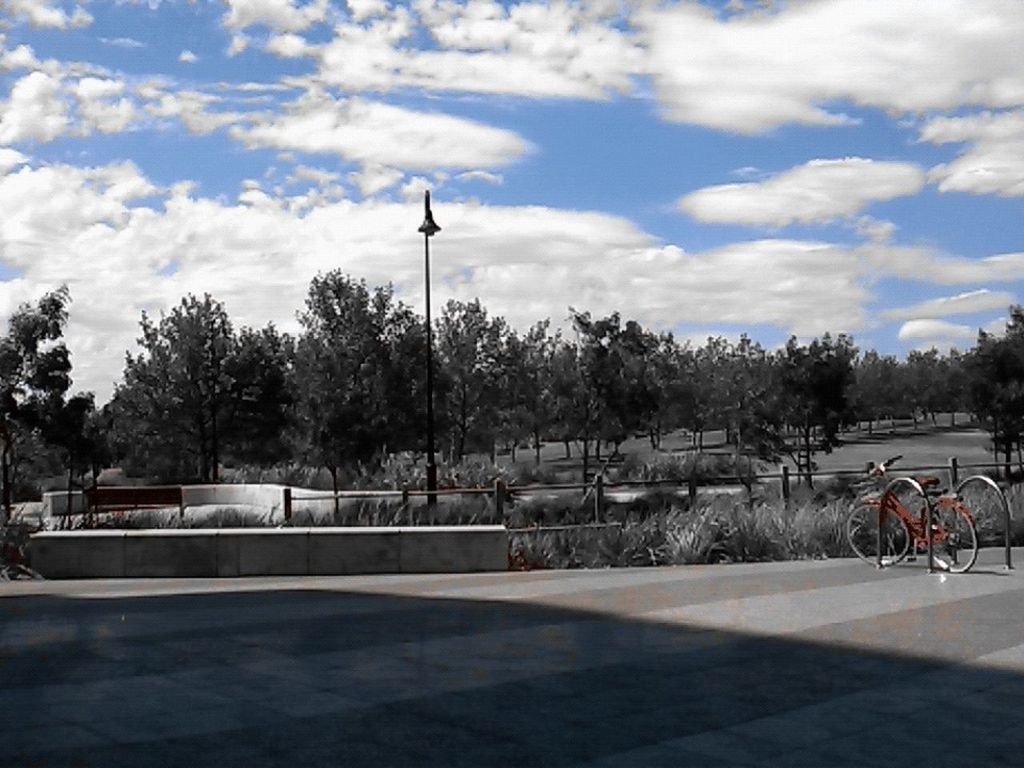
pixel 994 486
pixel 916 487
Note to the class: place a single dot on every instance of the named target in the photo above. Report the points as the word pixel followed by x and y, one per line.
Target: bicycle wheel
pixel 955 536
pixel 862 533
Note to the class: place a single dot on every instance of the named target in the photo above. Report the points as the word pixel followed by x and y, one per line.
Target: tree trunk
pixel 334 485
pixel 6 462
pixel 568 450
pixel 214 446
pixel 807 455
pixel 71 480
pixel 586 457
pixel 536 446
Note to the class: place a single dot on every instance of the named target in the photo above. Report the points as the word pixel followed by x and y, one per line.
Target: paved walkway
pixel 781 664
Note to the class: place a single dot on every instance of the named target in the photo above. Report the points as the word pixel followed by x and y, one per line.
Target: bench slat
pixel 128 497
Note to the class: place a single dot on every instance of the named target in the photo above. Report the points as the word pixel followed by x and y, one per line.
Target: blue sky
pixel 714 167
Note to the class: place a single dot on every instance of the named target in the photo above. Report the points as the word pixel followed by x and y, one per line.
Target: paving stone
pixel 551 671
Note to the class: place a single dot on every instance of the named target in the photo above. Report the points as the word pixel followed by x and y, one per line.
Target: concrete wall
pixel 198 553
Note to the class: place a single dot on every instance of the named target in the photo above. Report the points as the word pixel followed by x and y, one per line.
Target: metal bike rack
pixel 994 486
pixel 890 489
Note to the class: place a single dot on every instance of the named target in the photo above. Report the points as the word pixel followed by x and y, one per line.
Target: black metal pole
pixel 431 466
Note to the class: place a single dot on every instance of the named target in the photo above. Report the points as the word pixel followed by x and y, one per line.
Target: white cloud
pixel 375 178
pixel 122 42
pixel 926 265
pixel 373 133
pixel 35 111
pixel 878 230
pixel 318 176
pixel 993 163
pixel 190 107
pixel 818 191
pixel 484 176
pixel 239 43
pixel 20 57
pixel 99 109
pixel 366 9
pixel 280 15
pixel 971 302
pixel 46 13
pixel 754 72
pixel 187 57
pixel 10 159
pixel 940 330
pixel 288 46
pixel 530 49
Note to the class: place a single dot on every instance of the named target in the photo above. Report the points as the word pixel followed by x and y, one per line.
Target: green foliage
pixel 715 532
pixel 35 376
pixel 356 399
pixel 996 368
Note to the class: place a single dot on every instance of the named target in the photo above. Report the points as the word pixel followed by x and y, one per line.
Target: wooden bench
pixel 121 498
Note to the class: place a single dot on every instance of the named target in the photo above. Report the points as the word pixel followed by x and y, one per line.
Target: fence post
pixel 499 499
pixel 287 504
pixel 954 472
pixel 784 469
pixel 598 497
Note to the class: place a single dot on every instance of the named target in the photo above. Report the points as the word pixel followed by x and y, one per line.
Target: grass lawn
pixel 923 446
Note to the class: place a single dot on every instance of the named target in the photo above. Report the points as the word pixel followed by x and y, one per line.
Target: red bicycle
pixel 903 520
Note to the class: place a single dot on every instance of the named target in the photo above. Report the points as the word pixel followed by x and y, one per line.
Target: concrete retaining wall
pixel 201 553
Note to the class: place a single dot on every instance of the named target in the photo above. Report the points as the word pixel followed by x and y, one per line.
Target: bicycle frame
pixel 890 493
pixel 922 527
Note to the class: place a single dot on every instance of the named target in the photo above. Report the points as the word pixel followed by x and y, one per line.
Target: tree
pixel 876 388
pixel 527 404
pixel 355 398
pixel 924 383
pixel 35 375
pixel 815 380
pixel 747 399
pixel 170 407
pixel 615 380
pixel 996 374
pixel 68 427
pixel 471 356
pixel 260 396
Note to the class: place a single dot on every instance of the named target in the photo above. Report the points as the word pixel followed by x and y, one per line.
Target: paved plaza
pixel 779 664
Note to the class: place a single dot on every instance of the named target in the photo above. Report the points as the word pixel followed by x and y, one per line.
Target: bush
pixel 719 531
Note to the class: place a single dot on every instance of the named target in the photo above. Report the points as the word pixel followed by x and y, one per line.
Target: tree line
pixel 347 391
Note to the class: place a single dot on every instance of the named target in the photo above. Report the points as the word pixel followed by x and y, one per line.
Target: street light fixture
pixel 429 228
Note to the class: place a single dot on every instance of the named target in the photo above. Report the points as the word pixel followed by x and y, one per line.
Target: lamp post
pixel 429 228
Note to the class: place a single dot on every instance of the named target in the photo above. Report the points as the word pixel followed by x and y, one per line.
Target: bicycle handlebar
pixel 882 468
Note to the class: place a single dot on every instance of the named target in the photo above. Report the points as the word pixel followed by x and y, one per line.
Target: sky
pixel 707 168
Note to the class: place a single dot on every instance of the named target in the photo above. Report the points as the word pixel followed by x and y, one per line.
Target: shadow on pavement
pixel 321 678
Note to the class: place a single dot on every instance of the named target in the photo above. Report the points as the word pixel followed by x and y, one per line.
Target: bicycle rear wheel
pixel 862 533
pixel 955 543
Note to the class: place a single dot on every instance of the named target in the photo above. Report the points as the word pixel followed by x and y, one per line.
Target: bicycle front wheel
pixel 954 536
pixel 862 533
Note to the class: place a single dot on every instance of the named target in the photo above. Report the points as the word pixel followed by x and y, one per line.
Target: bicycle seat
pixel 928 481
